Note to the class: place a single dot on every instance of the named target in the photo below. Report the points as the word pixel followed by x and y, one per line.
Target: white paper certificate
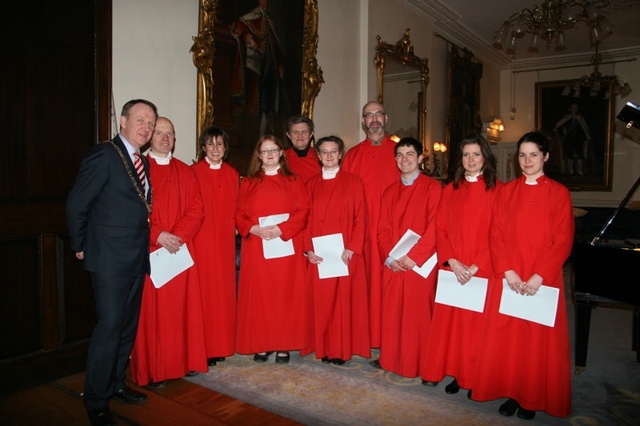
pixel 272 249
pixel 470 296
pixel 402 247
pixel 330 248
pixel 165 266
pixel 540 308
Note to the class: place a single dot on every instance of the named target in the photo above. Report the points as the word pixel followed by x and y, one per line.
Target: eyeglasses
pixel 269 151
pixel 376 114
pixel 324 153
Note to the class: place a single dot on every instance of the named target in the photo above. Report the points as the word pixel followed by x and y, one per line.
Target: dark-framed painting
pixel 580 127
pixel 464 72
pixel 257 67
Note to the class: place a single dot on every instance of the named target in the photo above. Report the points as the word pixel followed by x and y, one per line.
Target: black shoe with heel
pixel 452 387
pixel 509 408
pixel 283 357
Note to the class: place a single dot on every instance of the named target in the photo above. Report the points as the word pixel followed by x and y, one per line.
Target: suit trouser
pixel 118 302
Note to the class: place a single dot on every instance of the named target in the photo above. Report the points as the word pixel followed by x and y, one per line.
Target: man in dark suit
pixel 108 210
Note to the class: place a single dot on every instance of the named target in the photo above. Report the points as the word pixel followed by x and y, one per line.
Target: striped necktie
pixel 137 164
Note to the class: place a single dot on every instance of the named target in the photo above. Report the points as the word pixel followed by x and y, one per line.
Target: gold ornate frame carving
pixel 204 50
pixel 402 52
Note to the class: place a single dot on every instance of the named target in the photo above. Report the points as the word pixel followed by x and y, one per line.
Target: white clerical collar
pixel 213 166
pixel 272 172
pixel 162 161
pixel 330 174
pixel 535 182
pixel 473 178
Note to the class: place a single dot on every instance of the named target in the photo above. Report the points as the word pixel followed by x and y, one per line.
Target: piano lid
pixel 629 114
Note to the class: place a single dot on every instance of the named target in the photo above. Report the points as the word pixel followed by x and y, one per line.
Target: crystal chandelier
pixel 549 21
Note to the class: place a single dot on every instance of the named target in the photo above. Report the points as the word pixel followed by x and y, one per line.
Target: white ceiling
pixel 472 24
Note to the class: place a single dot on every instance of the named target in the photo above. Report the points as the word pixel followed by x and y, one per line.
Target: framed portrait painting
pixel 257 67
pixel 464 72
pixel 580 127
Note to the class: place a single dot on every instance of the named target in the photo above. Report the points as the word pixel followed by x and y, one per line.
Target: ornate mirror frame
pixel 204 55
pixel 402 52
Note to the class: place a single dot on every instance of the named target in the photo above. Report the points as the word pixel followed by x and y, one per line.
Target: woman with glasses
pixel 340 323
pixel 271 213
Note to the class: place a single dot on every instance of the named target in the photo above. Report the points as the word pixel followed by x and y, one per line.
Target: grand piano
pixel 605 270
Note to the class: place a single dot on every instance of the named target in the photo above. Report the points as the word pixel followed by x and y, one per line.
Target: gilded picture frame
pixel 582 158
pixel 220 46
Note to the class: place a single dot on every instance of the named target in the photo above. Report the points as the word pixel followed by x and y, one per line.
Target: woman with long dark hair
pixel 462 244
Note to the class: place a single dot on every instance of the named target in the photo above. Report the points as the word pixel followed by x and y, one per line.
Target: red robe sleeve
pixel 189 225
pixel 298 217
pixel 561 227
pixel 426 245
pixel 443 243
pixel 356 242
pixel 243 220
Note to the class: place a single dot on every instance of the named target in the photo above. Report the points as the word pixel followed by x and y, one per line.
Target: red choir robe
pixel 215 247
pixel 407 297
pixel 273 293
pixel 531 232
pixel 340 323
pixel 462 233
pixel 170 339
pixel 376 166
pixel 305 167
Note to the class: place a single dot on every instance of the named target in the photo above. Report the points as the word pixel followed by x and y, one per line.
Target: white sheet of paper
pixel 402 247
pixel 272 249
pixel 165 266
pixel 470 296
pixel 427 267
pixel 330 248
pixel 540 308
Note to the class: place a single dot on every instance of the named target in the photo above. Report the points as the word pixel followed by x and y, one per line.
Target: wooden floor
pixel 179 403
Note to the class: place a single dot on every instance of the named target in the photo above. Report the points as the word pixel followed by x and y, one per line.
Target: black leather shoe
pixel 509 408
pixel 469 394
pixel 192 373
pixel 375 364
pixel 452 387
pixel 130 396
pixel 430 383
pixel 102 418
pixel 218 358
pixel 211 362
pixel 156 385
pixel 262 357
pixel 337 361
pixel 283 357
pixel 526 414
pixel 326 359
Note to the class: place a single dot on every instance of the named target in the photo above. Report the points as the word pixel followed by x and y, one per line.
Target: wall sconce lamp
pixel 437 147
pixel 394 138
pixel 494 129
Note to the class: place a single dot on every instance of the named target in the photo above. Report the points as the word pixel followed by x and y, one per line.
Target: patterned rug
pixel 313 393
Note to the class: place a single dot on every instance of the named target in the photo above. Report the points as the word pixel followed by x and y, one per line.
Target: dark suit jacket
pixel 107 217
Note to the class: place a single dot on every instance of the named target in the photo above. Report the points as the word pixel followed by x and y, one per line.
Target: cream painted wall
pixel 626 159
pixel 151 60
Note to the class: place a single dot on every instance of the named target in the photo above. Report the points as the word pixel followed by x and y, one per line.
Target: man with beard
pixel 373 160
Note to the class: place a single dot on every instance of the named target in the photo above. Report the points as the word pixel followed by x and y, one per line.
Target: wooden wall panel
pixel 55 78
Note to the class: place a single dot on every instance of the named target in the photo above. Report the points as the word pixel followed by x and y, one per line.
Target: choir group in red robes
pixel 170 342
pixel 340 322
pixel 521 232
pixel 215 244
pixel 530 238
pixel 462 244
pixel 273 295
pixel 407 297
pixel 373 161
